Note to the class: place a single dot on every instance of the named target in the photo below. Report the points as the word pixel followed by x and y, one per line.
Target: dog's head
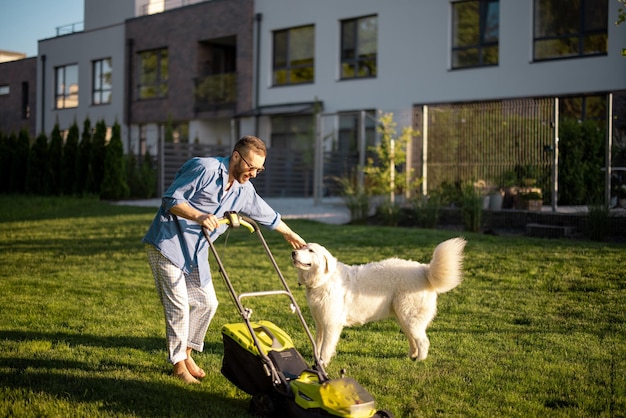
pixel 314 264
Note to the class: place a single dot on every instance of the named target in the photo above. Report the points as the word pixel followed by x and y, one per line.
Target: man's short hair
pixel 251 144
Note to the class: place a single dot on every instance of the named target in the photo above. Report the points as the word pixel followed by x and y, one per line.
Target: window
pixel 294 56
pixel 570 28
pixel 475 33
pixel 292 132
pixel 584 108
pixel 5 90
pixel 66 87
pixel 102 82
pixel 153 72
pixel 359 47
pixel 350 129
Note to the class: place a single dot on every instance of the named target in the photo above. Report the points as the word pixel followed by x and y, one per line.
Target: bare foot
pixel 186 377
pixel 180 371
pixel 193 368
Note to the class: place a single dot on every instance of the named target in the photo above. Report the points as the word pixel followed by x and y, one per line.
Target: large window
pixel 475 33
pixel 153 73
pixel 570 28
pixel 359 47
pixel 294 56
pixel 66 86
pixel 102 83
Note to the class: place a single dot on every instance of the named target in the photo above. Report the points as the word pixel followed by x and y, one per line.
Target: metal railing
pixel 70 28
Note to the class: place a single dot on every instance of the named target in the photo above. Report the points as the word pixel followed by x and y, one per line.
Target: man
pixel 203 190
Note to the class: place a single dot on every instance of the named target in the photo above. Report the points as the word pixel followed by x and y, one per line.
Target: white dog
pixel 340 295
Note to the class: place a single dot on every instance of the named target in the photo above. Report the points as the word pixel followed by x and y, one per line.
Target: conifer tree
pixel 98 152
pixel 38 173
pixel 70 157
pixel 84 177
pixel 20 162
pixel 55 158
pixel 5 162
pixel 114 184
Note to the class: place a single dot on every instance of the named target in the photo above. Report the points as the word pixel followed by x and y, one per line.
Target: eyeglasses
pixel 258 170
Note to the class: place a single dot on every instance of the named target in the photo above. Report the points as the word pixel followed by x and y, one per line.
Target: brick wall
pixel 15 74
pixel 182 30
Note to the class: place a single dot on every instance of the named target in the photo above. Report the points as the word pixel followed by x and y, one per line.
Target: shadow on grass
pixel 123 396
pixel 140 343
pixel 27 208
pixel 65 380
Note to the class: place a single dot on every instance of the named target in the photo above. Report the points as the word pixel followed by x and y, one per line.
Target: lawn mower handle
pixel 233 220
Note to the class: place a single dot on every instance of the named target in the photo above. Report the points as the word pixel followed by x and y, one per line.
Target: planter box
pixel 530 204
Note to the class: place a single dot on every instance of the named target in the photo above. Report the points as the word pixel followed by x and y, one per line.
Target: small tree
pixel 384 175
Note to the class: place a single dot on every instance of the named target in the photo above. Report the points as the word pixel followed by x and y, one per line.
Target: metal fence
pixel 501 143
pixel 287 174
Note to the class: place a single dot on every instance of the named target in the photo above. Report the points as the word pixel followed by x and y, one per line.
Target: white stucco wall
pixel 414 57
pixel 82 48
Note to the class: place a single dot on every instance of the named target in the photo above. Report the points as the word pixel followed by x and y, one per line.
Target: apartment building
pixel 207 72
pixel 81 73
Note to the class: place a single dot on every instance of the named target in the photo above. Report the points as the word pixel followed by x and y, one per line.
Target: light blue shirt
pixel 201 182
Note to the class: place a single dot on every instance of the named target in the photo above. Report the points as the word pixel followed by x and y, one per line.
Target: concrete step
pixel 549 231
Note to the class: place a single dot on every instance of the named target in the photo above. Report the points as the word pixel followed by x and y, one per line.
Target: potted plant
pixel 530 199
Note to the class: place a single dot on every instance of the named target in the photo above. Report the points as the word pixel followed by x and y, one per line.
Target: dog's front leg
pixel 330 338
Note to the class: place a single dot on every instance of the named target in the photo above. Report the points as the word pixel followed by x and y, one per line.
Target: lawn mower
pixel 261 359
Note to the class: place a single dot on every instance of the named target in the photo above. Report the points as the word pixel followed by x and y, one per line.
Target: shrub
pixel 597 222
pixel 471 207
pixel 355 197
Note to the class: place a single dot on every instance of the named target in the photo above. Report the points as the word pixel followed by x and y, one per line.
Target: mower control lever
pixel 234 221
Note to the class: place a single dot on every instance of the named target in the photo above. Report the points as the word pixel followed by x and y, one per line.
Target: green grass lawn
pixel 537 329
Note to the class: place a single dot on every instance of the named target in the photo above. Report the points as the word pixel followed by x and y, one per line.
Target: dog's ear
pixel 331 262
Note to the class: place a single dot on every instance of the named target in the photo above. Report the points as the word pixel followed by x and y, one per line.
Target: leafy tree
pixel 581 156
pixel 383 172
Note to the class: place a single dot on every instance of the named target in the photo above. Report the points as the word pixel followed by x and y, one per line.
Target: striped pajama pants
pixel 188 306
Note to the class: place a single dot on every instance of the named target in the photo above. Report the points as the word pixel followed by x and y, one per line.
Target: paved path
pixel 329 210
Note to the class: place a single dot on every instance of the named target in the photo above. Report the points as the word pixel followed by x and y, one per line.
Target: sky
pixel 24 22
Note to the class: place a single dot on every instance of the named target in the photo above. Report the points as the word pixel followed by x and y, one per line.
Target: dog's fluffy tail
pixel 446 267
